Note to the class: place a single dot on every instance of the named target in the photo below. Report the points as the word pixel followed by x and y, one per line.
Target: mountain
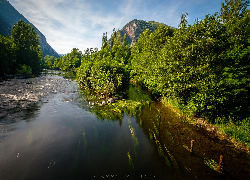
pixel 9 15
pixel 134 28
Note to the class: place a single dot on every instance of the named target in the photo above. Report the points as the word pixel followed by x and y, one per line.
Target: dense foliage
pixel 20 53
pixel 203 66
pixel 69 62
pixel 28 49
pixel 50 62
pixel 105 71
pixel 7 55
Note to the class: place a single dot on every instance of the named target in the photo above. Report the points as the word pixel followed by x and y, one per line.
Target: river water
pixel 63 139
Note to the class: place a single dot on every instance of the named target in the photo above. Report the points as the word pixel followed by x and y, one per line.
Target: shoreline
pixel 19 95
pixel 213 130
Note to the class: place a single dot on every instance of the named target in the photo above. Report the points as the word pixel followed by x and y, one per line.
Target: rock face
pixel 9 15
pixel 130 30
pixel 134 28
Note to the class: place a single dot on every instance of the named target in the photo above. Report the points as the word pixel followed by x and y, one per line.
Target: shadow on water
pixel 137 99
pixel 172 138
pixel 16 114
pixel 134 138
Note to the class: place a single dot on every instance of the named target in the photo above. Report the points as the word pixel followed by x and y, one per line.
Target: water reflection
pixel 65 141
pixel 132 139
pixel 137 99
pixel 18 114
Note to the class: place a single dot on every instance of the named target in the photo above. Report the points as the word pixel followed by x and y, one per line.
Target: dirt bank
pixel 209 145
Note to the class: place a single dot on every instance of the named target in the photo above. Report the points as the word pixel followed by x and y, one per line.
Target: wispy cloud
pixel 81 23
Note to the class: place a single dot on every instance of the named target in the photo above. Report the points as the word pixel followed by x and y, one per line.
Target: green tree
pixel 105 40
pixel 147 66
pixel 71 61
pixel 7 56
pixel 50 62
pixel 105 71
pixel 203 66
pixel 28 46
pixel 235 84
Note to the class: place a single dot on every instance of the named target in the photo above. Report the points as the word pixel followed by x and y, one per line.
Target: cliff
pixel 134 28
pixel 9 15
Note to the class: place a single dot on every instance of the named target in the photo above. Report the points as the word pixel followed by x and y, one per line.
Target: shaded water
pixel 62 139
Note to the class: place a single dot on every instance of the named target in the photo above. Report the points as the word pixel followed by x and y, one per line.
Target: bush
pixel 25 71
pixel 105 71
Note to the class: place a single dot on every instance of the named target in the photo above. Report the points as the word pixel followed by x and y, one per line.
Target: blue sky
pixel 69 24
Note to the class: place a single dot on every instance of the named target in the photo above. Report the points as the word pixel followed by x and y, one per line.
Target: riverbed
pixel 49 131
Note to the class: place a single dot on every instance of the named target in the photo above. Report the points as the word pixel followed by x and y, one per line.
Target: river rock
pixel 110 100
pixel 104 102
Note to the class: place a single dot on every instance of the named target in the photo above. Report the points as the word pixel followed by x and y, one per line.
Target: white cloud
pixel 81 23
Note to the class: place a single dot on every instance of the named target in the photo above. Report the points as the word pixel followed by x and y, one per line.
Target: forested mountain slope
pixel 9 15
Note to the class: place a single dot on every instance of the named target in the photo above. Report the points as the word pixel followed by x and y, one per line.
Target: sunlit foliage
pixel 28 49
pixel 20 52
pixel 203 66
pixel 105 71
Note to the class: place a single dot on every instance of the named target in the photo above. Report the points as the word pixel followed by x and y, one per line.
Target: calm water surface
pixel 62 140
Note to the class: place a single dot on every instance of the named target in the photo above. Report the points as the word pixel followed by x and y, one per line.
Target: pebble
pixel 111 100
pixel 19 94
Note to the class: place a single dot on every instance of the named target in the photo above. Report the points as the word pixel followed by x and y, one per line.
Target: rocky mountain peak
pixel 134 28
pixel 130 30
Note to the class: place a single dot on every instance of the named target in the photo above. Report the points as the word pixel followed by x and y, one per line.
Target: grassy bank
pixel 238 132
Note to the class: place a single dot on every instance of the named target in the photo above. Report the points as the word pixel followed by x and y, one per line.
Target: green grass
pixel 182 111
pixel 212 164
pixel 239 131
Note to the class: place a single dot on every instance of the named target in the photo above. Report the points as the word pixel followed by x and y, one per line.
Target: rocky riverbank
pixel 18 96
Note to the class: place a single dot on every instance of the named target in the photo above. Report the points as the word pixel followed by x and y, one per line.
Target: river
pixel 62 138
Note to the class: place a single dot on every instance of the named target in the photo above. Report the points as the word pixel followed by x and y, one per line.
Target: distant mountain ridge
pixel 9 15
pixel 134 28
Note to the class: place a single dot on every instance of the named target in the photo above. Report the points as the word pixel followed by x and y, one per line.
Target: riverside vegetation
pixel 201 69
pixel 20 53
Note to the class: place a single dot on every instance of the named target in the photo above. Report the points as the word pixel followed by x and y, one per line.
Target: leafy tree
pixel 235 80
pixel 55 63
pixel 105 40
pixel 146 64
pixel 71 61
pixel 28 50
pixel 50 62
pixel 26 71
pixel 203 66
pixel 105 71
pixel 7 55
